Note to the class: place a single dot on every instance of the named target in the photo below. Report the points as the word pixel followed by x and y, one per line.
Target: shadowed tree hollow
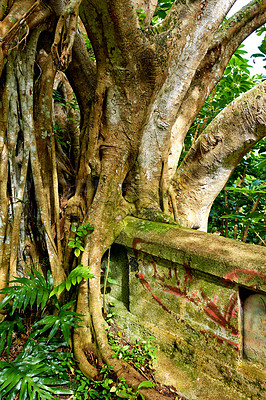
pixel 138 90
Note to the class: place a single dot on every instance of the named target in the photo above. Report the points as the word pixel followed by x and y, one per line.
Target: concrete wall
pixel 203 298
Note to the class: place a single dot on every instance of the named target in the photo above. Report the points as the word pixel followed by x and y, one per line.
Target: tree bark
pixel 136 100
pixel 209 163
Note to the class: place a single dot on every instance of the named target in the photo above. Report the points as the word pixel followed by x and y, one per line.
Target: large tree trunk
pixel 136 101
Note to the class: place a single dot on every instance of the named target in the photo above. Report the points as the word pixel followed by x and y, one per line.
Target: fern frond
pixel 28 291
pixel 31 375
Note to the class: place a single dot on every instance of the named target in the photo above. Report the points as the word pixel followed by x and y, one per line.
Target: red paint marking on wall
pixel 215 299
pixel 189 275
pixel 210 307
pixel 212 311
pixel 156 275
pixel 231 307
pixel 146 284
pixel 219 339
pixel 135 243
pixel 237 272
pixel 173 289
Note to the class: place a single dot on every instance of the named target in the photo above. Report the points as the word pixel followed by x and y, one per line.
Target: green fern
pixel 31 375
pixel 28 291
pixel 75 276
pixel 64 320
pixel 7 328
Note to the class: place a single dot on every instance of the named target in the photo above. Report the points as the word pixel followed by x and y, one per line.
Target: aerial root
pixel 65 35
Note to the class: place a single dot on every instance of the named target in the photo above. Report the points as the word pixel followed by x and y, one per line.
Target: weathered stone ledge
pixel 233 261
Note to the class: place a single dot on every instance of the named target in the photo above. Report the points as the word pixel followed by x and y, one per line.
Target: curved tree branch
pixel 196 26
pixel 209 163
pixel 210 71
pixel 22 17
pixel 81 74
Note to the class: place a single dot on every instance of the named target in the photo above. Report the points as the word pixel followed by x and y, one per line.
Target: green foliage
pixel 107 388
pixel 232 214
pixel 239 210
pixel 6 10
pixel 27 291
pixel 31 291
pixel 36 370
pixel 235 81
pixel 61 134
pixel 59 98
pixel 81 271
pixel 63 321
pixel 31 375
pixel 141 354
pixel 128 393
pixel 78 241
pixel 161 11
pixel 88 45
pixel 7 328
pixel 59 131
pixel 75 277
pixel 262 49
pixel 141 16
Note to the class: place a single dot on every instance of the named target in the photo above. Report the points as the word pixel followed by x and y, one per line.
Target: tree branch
pixel 226 41
pixel 113 29
pixel 81 74
pixel 209 163
pixel 190 34
pixel 27 14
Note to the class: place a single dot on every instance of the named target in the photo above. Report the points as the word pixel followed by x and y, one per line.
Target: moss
pixel 148 225
pixel 219 257
pixel 155 216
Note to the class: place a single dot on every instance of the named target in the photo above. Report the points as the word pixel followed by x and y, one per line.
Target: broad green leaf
pixel 77 252
pixel 68 285
pixel 111 280
pixel 7 299
pixel 54 329
pixel 80 247
pixel 40 277
pixel 146 384
pixel 65 331
pixel 39 297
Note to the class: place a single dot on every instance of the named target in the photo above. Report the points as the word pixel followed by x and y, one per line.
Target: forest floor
pixel 121 342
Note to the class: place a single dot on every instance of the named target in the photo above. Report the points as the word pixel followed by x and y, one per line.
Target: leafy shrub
pixel 107 388
pixel 75 277
pixel 37 369
pixel 7 328
pixel 141 354
pixel 63 320
pixel 31 374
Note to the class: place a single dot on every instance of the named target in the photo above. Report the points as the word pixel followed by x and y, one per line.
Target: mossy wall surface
pixel 203 297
